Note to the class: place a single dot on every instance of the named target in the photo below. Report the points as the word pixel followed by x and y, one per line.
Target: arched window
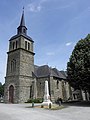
pixel 13 65
pixel 10 45
pixel 26 45
pixel 57 84
pixel 16 44
pixel 31 46
pixel 13 45
pixel 31 91
pixel 24 31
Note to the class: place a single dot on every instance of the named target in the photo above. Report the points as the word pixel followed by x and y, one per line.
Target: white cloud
pixel 50 53
pixel 35 6
pixel 68 44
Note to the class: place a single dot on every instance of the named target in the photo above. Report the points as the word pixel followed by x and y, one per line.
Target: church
pixel 24 80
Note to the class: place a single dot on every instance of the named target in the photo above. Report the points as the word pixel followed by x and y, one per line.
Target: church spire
pixel 22 23
pixel 22 28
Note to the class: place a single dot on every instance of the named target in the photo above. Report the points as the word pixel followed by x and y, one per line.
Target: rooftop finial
pixel 23 9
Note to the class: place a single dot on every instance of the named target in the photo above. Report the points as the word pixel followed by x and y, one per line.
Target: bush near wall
pixel 38 100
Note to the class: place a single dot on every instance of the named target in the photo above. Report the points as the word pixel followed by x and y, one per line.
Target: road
pixel 21 112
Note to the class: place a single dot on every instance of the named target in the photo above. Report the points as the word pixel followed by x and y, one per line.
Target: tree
pixel 1 89
pixel 0 83
pixel 78 67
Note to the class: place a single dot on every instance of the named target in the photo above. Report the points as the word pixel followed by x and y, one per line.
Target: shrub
pixel 37 100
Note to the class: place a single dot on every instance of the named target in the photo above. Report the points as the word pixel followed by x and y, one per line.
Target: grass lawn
pixel 53 107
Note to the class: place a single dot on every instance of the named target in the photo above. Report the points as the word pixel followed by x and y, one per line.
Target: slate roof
pixel 25 36
pixel 22 23
pixel 45 71
pixel 64 73
pixel 42 71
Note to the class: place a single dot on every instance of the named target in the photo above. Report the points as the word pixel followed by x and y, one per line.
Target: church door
pixel 11 94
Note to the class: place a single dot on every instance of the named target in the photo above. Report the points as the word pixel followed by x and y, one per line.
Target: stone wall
pixel 24 88
pixel 26 63
pixel 41 86
pixel 55 88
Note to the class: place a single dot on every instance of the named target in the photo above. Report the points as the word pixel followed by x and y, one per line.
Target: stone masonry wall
pixel 56 91
pixel 41 86
pixel 26 63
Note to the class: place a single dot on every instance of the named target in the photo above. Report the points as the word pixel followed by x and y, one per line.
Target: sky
pixel 54 25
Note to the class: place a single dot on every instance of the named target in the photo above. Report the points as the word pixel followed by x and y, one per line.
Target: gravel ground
pixel 22 112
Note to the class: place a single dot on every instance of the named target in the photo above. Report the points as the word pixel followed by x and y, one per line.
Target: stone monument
pixel 46 95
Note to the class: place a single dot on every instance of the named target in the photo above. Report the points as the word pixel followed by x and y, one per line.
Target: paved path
pixel 20 112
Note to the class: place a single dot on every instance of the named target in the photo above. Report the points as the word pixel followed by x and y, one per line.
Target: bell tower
pixel 20 66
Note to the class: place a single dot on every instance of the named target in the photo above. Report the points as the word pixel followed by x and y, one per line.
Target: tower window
pixel 31 46
pixel 19 30
pixel 13 45
pixel 10 45
pixel 57 84
pixel 13 65
pixel 26 45
pixel 16 44
pixel 24 31
pixel 19 41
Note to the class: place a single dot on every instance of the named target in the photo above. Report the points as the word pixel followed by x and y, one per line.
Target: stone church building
pixel 24 80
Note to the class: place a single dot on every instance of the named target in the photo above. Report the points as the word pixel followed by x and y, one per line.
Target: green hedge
pixel 38 100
